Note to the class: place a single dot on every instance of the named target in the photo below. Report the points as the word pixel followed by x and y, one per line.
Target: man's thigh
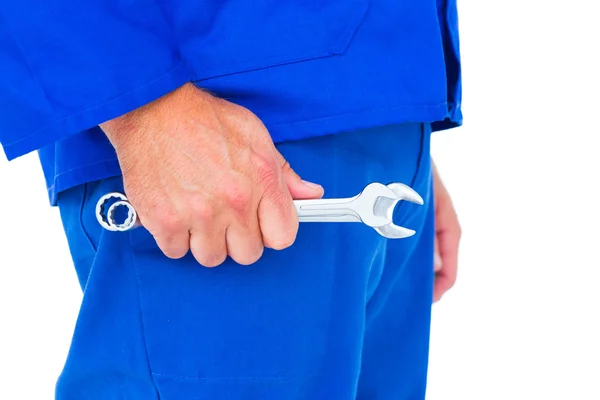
pixel 290 326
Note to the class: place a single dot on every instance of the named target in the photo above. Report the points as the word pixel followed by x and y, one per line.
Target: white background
pixel 522 321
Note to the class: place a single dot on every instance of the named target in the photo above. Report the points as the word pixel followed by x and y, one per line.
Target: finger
pixel 208 245
pixel 449 240
pixel 277 214
pixel 438 290
pixel 278 220
pixel 442 284
pixel 448 247
pixel 170 232
pixel 174 246
pixel 244 240
pixel 437 259
pixel 298 188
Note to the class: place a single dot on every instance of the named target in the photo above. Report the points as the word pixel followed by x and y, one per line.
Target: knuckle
pixel 174 252
pixel 281 201
pixel 281 241
pixel 174 247
pixel 207 250
pixel 170 222
pixel 238 197
pixel 266 171
pixel 211 260
pixel 247 116
pixel 249 257
pixel 202 210
pixel 286 166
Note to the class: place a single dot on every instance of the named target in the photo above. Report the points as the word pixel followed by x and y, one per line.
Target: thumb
pixel 437 263
pixel 299 188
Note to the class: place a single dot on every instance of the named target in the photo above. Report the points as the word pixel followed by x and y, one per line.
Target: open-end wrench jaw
pixel 374 207
pixel 387 206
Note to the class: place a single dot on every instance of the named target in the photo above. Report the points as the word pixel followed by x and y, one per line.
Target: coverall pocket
pixel 73 212
pixel 239 35
pixel 264 325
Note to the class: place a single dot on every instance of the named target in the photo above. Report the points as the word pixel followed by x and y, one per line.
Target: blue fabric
pixel 306 68
pixel 343 314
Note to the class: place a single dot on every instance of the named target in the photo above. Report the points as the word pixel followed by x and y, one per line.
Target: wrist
pixel 120 128
pixel 127 126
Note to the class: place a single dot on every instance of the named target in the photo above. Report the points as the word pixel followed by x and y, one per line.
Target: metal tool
pixel 374 207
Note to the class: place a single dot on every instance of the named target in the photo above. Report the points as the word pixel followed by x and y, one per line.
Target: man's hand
pixel 204 175
pixel 447 238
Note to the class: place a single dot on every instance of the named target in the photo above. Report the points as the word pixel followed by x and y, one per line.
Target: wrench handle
pixel 327 210
pixel 313 210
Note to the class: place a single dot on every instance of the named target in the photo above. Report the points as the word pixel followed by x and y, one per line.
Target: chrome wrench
pixel 374 207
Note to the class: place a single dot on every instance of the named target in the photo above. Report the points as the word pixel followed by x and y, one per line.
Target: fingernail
pixel 311 185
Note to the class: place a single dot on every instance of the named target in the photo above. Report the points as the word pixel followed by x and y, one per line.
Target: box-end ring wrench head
pixel 131 219
pixel 102 209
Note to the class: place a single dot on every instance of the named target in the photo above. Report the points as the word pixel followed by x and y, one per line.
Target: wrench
pixel 374 207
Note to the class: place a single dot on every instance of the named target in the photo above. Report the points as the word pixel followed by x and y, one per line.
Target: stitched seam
pixel 420 161
pixel 84 166
pixel 224 378
pixel 141 315
pixel 366 112
pixel 274 61
pixel 316 52
pixel 94 107
pixel 53 186
pixel 58 178
pixel 81 210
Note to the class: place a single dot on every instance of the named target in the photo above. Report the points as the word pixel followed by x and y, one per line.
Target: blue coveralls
pixel 350 91
pixel 342 314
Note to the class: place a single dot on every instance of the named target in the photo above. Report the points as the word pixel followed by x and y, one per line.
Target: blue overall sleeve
pixel 68 66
